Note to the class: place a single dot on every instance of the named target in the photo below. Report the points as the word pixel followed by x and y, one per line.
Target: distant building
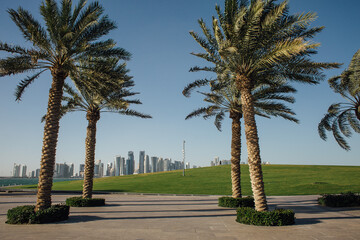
pixel 37 172
pixel 16 170
pixel 225 162
pixel 160 165
pixel 63 170
pixel 117 165
pixel 187 165
pixel 108 169
pixel 178 165
pixel 81 170
pixel 112 172
pixel 122 167
pixel 153 163
pixel 23 171
pixel 167 164
pixel 147 164
pixel 98 169
pixel 130 163
pixel 141 162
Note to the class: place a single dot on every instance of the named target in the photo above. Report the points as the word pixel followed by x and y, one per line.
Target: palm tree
pixel 227 100
pixel 259 42
pixel 107 97
pixel 342 117
pixel 70 35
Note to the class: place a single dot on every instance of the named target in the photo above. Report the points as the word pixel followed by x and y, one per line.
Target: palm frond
pixel 130 112
pixel 197 83
pixel 24 84
pixel 196 113
pixel 218 120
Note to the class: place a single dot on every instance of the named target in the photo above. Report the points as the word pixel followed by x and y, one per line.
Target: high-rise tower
pixel 117 165
pixel 141 161
pixel 147 164
pixel 130 163
pixel 153 163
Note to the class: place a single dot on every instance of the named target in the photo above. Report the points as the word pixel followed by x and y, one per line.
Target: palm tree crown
pixel 342 117
pixel 70 36
pixel 227 100
pixel 107 95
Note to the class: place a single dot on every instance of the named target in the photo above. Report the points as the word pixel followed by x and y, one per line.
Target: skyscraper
pixel 37 172
pixel 160 165
pixel 153 163
pixel 16 170
pixel 117 165
pixel 108 168
pixel 167 164
pixel 130 163
pixel 98 169
pixel 71 170
pixel 122 167
pixel 141 161
pixel 81 170
pixel 147 164
pixel 23 172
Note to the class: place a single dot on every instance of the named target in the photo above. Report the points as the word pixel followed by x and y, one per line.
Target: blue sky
pixel 157 34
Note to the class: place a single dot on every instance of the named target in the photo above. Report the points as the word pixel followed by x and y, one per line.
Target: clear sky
pixel 156 32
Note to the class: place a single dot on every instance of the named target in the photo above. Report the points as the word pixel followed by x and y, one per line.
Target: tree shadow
pixel 163 211
pixel 89 218
pixel 171 200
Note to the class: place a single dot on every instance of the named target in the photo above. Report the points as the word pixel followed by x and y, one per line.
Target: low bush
pixel 85 202
pixel 27 215
pixel 231 202
pixel 348 199
pixel 277 217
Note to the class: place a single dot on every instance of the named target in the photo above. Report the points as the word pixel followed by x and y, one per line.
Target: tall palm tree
pixel 70 35
pixel 260 42
pixel 110 96
pixel 227 100
pixel 342 117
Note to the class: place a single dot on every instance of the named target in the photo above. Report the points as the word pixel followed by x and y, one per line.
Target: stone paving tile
pixel 180 217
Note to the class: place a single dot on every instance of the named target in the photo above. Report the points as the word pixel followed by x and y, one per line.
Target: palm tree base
pixel 277 217
pixel 27 215
pixel 85 202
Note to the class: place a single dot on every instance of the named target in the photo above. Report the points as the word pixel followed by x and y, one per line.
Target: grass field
pixel 279 180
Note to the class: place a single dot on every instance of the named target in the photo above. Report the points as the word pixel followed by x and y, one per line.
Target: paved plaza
pixel 179 217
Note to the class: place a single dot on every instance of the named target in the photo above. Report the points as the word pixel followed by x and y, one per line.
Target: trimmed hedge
pixel 277 217
pixel 231 202
pixel 85 202
pixel 27 215
pixel 348 199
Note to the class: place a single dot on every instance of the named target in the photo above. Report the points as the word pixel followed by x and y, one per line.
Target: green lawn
pixel 279 180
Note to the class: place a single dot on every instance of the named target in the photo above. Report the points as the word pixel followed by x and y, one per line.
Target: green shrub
pixel 231 202
pixel 85 202
pixel 348 199
pixel 277 217
pixel 26 214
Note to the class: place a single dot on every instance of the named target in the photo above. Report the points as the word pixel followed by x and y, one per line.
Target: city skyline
pixel 160 66
pixel 118 167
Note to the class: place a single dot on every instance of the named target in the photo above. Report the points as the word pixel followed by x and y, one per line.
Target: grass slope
pixel 279 180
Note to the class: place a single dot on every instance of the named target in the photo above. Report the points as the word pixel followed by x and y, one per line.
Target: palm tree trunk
pixel 252 142
pixel 235 154
pixel 90 142
pixel 51 130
